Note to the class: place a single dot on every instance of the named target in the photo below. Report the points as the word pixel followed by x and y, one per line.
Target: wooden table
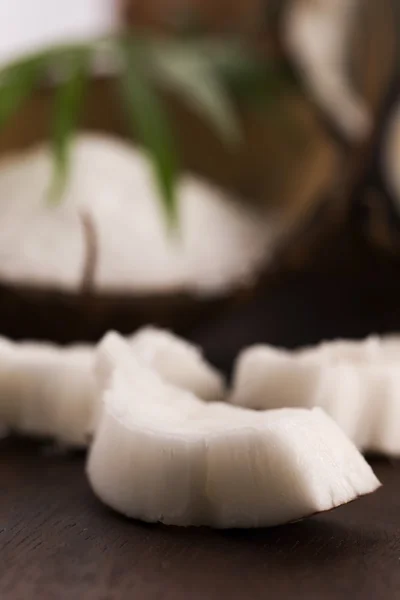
pixel 58 542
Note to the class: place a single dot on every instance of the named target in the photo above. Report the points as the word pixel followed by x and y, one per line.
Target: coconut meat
pixel 52 391
pixel 220 244
pixel 317 35
pixel 161 454
pixel 391 153
pixel 355 382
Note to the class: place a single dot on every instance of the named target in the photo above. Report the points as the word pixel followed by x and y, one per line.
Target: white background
pixel 31 24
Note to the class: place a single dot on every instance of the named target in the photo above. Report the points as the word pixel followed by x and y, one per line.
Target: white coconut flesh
pixel 51 391
pixel 391 157
pixel 47 391
pixel 221 243
pixel 356 383
pixel 317 34
pixel 161 454
pixel 178 362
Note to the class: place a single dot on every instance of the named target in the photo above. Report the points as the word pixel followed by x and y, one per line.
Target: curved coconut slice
pixel 174 359
pixel 269 377
pixel 161 454
pixel 46 390
pixel 339 350
pixel 266 377
pixel 341 393
pixel 391 346
pixel 365 401
pixel 317 36
pixel 178 362
pixel 111 212
pixel 356 383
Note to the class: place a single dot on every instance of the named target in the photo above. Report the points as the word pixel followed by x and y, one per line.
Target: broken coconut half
pixel 391 154
pixel 51 391
pixel 356 383
pixel 109 230
pixel 318 34
pixel 162 454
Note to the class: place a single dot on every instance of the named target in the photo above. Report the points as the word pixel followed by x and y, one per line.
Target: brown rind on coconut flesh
pixel 292 158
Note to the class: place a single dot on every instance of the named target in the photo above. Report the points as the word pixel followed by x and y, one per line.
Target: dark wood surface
pixel 58 542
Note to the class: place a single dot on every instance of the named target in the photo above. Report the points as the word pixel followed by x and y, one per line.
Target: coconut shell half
pixel 291 160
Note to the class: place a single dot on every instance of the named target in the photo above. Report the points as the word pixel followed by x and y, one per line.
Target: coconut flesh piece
pixel 317 35
pixel 221 244
pixel 178 362
pixel 269 377
pixel 338 351
pixel 365 401
pixel 47 391
pixel 356 383
pixel 162 454
pixel 51 391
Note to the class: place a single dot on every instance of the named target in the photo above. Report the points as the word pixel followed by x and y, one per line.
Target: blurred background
pixel 226 169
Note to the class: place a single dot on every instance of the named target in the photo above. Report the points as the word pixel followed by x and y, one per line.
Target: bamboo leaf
pixel 17 82
pixel 147 117
pixel 68 102
pixel 192 75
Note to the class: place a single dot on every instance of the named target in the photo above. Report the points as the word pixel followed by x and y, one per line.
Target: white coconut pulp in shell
pixel 356 382
pixel 162 454
pixel 220 244
pixel 317 34
pixel 51 391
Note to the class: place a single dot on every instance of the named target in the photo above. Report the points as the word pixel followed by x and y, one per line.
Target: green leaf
pixel 243 72
pixel 190 72
pixel 68 102
pixel 147 117
pixel 17 82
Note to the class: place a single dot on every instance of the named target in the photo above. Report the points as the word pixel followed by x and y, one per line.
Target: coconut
pixel 161 454
pixel 318 36
pixel 50 391
pixel 355 382
pixel 391 155
pixel 111 215
pixel 108 236
pixel 289 160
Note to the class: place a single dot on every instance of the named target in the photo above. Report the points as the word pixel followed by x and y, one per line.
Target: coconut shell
pixel 27 313
pixel 171 16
